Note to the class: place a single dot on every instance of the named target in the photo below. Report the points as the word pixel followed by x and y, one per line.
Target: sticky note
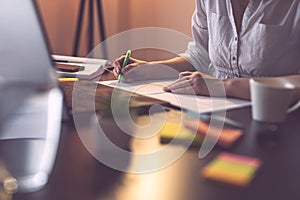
pixel 179 134
pixel 63 79
pixel 226 136
pixel 231 168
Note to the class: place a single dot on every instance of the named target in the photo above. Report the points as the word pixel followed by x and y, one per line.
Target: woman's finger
pixel 182 79
pixel 167 88
pixel 184 74
pixel 184 90
pixel 182 83
pixel 129 67
pixel 117 68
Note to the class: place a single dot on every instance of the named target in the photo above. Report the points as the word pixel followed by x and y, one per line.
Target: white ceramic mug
pixel 271 98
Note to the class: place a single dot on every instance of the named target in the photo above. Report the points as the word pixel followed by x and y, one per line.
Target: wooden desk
pixel 79 176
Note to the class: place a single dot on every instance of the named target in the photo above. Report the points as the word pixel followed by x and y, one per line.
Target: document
pixel 198 104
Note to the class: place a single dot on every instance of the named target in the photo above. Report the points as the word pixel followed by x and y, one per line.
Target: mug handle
pixel 294 107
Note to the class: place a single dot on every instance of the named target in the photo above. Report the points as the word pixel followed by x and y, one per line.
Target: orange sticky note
pixel 226 136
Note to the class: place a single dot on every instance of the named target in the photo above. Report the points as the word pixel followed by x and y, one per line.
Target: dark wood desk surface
pixel 77 175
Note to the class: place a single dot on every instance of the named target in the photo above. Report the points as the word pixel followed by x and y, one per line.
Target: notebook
pixel 92 67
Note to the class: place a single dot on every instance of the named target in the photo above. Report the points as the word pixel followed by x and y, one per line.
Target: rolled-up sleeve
pixel 197 50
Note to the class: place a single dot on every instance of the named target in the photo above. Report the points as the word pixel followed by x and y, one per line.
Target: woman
pixel 235 40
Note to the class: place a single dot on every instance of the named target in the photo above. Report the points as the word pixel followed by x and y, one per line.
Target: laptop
pixel 30 107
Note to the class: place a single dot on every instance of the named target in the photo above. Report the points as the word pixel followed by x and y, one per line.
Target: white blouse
pixel 268 43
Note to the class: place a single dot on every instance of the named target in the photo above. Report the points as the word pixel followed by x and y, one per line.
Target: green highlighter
pixel 125 62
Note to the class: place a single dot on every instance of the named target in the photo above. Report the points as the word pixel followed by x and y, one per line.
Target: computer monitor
pixel 30 110
pixel 25 60
pixel 24 52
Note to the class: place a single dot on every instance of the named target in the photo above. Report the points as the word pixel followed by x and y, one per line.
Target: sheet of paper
pixel 199 104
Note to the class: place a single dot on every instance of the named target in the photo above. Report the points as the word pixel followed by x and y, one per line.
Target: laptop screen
pixel 24 53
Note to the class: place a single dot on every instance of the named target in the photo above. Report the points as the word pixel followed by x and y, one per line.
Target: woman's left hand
pixel 198 84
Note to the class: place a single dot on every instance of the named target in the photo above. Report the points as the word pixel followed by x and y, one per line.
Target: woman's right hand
pixel 139 70
pixel 132 63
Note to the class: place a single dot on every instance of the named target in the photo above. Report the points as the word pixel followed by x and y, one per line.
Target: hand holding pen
pixel 121 66
pixel 125 62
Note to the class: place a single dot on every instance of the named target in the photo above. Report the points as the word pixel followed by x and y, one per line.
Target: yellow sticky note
pixel 179 134
pixel 63 79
